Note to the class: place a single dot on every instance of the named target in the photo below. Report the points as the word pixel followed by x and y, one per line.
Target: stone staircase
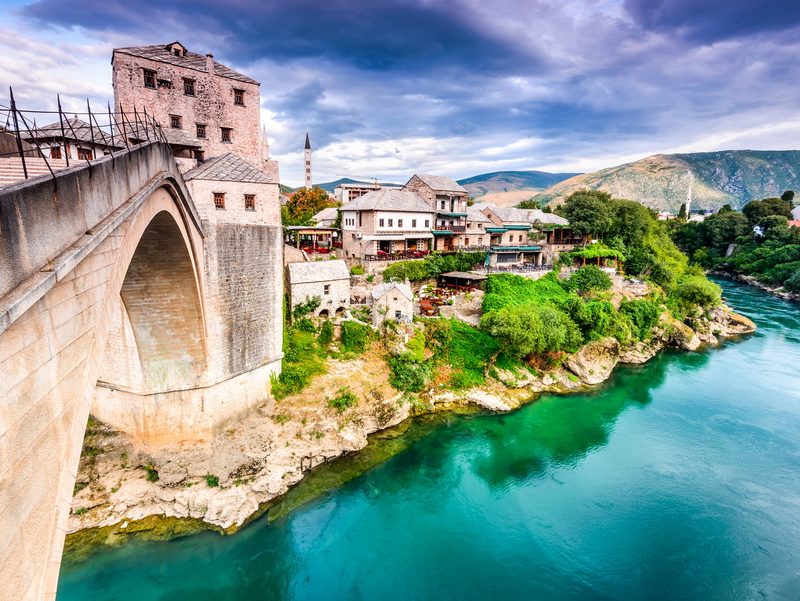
pixel 11 168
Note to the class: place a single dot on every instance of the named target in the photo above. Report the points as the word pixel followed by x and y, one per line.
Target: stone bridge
pixel 115 299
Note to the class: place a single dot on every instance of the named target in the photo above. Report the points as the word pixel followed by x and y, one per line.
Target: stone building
pixel 386 222
pixel 392 300
pixel 449 201
pixel 475 237
pixel 329 280
pixel 204 107
pixel 74 138
pixel 240 212
pixel 349 191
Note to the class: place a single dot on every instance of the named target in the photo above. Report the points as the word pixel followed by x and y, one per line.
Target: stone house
pixel 386 222
pixel 205 108
pixel 243 248
pixel 392 300
pixel 510 240
pixel 74 138
pixel 449 201
pixel 326 217
pixel 475 237
pixel 329 280
pixel 349 191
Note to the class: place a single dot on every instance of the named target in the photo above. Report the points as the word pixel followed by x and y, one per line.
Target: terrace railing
pixel 115 130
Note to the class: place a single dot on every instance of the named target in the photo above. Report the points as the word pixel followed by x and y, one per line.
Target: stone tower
pixel 307 154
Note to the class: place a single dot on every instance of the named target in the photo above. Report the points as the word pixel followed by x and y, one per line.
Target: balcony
pixel 400 255
pixel 444 213
pixel 525 248
pixel 449 230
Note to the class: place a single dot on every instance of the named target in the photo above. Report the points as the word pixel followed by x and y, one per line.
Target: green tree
pixel 588 212
pixel 756 210
pixel 682 212
pixel 788 196
pixel 588 278
pixel 304 204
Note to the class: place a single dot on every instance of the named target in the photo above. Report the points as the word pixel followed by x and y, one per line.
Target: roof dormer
pixel 177 49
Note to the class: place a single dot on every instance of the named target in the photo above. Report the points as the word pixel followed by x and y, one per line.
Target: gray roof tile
pixel 404 201
pixel 317 271
pixel 191 60
pixel 440 183
pixel 228 168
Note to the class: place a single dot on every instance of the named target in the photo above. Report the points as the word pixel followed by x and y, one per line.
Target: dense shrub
pixel 356 336
pixel 408 374
pixel 357 270
pixel 344 399
pixel 527 330
pixel 325 334
pixel 506 290
pixel 643 315
pixel 792 284
pixel 432 265
pixel 594 318
pixel 697 290
pixel 588 278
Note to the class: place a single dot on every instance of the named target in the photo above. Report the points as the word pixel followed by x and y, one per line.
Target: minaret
pixel 264 144
pixel 307 154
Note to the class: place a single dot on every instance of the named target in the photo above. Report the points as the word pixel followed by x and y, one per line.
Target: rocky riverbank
pixel 126 490
pixel 750 280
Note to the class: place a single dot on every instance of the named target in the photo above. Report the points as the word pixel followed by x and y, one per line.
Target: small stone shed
pixel 392 300
pixel 329 280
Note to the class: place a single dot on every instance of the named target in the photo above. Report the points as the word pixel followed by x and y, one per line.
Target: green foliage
pixel 756 210
pixel 409 374
pixel 643 315
pixel 325 334
pixel 588 212
pixel 212 480
pixel 526 330
pixel 357 270
pixel 304 204
pixel 792 283
pixel 432 265
pixel 504 290
pixel 306 307
pixel 594 318
pixel 152 472
pixel 696 290
pixel 588 279
pixel 416 346
pixel 344 399
pixel 356 336
pixel 303 358
pixel 468 353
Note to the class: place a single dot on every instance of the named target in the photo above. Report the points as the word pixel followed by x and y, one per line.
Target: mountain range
pixel 662 181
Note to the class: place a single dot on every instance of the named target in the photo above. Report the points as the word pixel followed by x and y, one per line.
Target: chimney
pixel 210 63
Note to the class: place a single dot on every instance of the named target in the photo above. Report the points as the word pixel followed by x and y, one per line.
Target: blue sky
pixel 456 87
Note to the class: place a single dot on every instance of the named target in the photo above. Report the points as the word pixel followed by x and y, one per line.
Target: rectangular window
pixel 249 202
pixel 150 79
pixel 480 241
pixel 380 222
pixel 85 154
pixel 201 130
pixel 399 223
pixel 227 134
pixel 466 241
pixel 219 200
pixel 55 152
pixel 326 289
pixel 175 121
pixel 427 223
pixel 391 222
pixel 443 205
pixel 188 86
pixel 199 156
pixel 238 97
pixel 413 223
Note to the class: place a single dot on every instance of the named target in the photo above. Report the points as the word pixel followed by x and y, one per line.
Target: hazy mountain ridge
pixel 506 181
pixel 661 181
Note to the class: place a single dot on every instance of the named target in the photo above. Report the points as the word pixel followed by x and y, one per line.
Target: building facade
pixel 392 301
pixel 74 139
pixel 328 280
pixel 387 222
pixel 448 200
pixel 204 107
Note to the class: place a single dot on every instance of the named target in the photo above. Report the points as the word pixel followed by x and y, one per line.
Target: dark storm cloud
pixel 708 21
pixel 368 34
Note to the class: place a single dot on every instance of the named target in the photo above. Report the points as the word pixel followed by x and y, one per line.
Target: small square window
pixel 326 289
pixel 249 202
pixel 150 79
pixel 188 86
pixel 380 222
pixel 175 121
pixel 227 134
pixel 238 97
pixel 219 200
pixel 201 130
pixel 413 223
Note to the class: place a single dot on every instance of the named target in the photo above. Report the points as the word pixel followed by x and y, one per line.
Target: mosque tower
pixel 307 154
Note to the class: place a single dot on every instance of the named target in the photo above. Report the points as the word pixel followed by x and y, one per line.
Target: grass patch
pixel 343 400
pixel 212 481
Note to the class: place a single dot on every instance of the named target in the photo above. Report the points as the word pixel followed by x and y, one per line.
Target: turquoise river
pixel 676 480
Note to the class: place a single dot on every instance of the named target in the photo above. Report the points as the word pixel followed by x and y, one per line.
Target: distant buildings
pixel 448 200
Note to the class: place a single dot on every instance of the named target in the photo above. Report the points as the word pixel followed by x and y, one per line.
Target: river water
pixel 679 479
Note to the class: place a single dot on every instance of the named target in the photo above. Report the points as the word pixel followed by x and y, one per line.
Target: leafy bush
pixel 356 336
pixel 409 374
pixel 531 330
pixel 343 400
pixel 432 265
pixel 212 480
pixel 505 290
pixel 698 291
pixel 325 334
pixel 308 306
pixel 643 315
pixel 588 278
pixel 357 270
pixel 792 284
pixel 594 318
